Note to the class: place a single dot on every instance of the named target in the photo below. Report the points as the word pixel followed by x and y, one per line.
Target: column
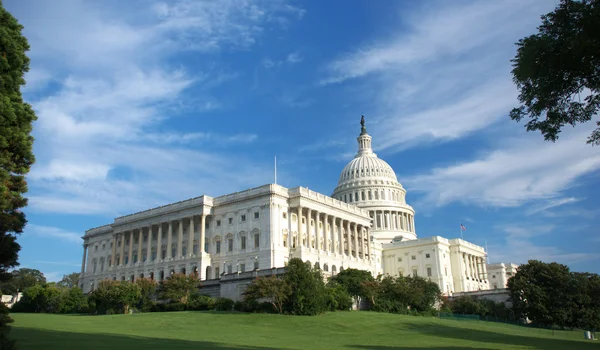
pixel 369 242
pixel 387 222
pixel 413 223
pixel 404 222
pixel 83 259
pixel 179 239
pixel 140 239
pixel 149 244
pixel 190 251
pixel 201 243
pixel 122 253
pixel 159 243
pixel 342 243
pixel 397 221
pixel 114 251
pixel 318 232
pixel 169 239
pixel 130 255
pixel 356 241
pixel 308 233
pixel 334 234
pixel 300 228
pixel 348 238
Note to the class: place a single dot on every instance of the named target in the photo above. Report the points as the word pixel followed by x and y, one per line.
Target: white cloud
pixel 53 232
pixel 294 57
pixel 444 74
pixel 553 204
pixel 100 143
pixel 522 170
pixel 518 248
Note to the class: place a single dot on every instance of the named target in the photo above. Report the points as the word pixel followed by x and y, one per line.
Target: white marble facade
pixel 254 229
pixel 500 273
pixel 365 224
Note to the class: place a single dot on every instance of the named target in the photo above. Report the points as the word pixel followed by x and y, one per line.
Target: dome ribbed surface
pixel 367 167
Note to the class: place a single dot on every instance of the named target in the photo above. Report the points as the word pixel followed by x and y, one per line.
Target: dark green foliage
pixel 486 309
pixel 22 279
pixel 147 293
pixel 5 342
pixel 354 281
pixel 272 288
pixel 201 302
pixel 308 289
pixel 51 298
pixel 69 281
pixel 224 304
pixel 179 287
pixel 403 294
pixel 548 294
pixel 557 70
pixel 115 296
pixel 337 299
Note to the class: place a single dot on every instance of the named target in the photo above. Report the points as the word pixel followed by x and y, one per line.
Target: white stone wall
pixel 426 257
pixel 468 266
pixel 500 273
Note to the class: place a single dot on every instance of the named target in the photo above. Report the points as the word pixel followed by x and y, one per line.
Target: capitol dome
pixel 371 184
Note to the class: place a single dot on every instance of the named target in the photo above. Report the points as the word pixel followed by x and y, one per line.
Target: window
pixel 399 259
pixel 493 276
pixel 230 245
pixel 285 215
pixel 206 246
pixel 135 258
pixel 95 248
pixel 153 255
pixel 217 272
pixel 415 273
pixel 206 225
pixel 429 272
pixel 103 246
pixel 230 220
pixel 414 257
pixel 218 247
pixel 218 223
pixel 229 269
pixel 446 271
pixel 243 242
pixel 294 217
pixel 256 215
pixel 256 240
pixel 427 256
pixel 363 195
pixel 184 251
pixel 256 264
pixel 303 220
pixel 243 218
pixel 356 196
pixel 242 267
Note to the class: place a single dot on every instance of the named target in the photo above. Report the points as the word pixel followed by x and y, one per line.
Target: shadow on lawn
pixel 32 338
pixel 442 331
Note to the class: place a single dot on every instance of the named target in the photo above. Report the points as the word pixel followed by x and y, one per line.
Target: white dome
pixel 371 184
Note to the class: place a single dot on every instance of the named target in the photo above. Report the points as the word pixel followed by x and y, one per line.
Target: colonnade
pixel 393 220
pixel 343 237
pixel 117 259
pixel 475 267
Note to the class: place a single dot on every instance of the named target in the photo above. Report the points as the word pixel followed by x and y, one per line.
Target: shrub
pixel 224 304
pixel 176 306
pixel 201 303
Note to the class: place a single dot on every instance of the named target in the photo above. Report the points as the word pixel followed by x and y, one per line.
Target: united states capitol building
pixel 365 224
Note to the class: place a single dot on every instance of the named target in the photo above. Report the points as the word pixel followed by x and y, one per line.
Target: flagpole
pixel 487 255
pixel 461 232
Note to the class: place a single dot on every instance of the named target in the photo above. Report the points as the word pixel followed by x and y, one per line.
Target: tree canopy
pixel 22 279
pixel 70 280
pixel 557 70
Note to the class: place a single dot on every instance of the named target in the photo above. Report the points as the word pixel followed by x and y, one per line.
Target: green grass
pixel 341 330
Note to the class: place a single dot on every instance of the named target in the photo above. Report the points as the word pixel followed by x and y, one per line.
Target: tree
pixel 22 279
pixel 70 280
pixel 179 287
pixel 557 70
pixel 353 281
pixel 308 289
pixel 147 291
pixel 540 292
pixel 115 296
pixel 272 288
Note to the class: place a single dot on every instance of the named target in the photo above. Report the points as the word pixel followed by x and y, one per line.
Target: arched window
pixel 326 267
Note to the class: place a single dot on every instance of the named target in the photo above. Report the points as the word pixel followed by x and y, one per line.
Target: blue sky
pixel 142 103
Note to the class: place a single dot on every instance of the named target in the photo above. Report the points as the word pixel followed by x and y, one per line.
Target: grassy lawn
pixel 347 330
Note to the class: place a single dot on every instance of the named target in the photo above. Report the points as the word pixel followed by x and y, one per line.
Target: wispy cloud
pixel 101 144
pixel 519 248
pixel 294 57
pixel 553 204
pixel 520 171
pixel 443 75
pixel 53 232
